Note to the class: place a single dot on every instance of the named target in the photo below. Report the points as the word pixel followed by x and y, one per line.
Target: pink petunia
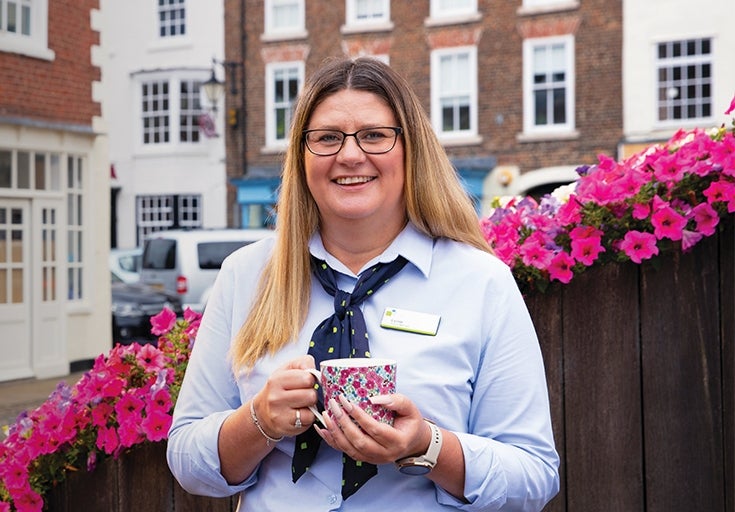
pixel 641 211
pixel 156 425
pixel 639 246
pixel 28 501
pixel 151 358
pixel 667 223
pixel 534 252
pixel 689 239
pixel 731 108
pixel 163 322
pixel 107 440
pixel 706 218
pixel 560 268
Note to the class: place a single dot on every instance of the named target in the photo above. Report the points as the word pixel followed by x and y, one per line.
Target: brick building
pixel 54 286
pixel 520 93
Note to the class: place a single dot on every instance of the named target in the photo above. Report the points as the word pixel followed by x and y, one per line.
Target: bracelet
pixel 268 438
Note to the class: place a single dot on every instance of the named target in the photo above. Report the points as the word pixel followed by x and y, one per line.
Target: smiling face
pixel 353 187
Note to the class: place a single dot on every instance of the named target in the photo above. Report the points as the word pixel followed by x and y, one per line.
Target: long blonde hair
pixel 436 203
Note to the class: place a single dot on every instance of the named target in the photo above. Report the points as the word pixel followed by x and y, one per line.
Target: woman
pixel 366 181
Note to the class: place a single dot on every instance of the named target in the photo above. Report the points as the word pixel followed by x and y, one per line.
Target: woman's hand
pixel 286 397
pixel 356 433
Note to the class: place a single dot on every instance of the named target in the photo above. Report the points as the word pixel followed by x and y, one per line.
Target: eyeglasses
pixel 373 141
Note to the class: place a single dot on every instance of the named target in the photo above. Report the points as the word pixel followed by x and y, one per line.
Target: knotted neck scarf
pixel 343 334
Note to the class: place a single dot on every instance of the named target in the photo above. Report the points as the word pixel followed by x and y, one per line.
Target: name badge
pixel 410 321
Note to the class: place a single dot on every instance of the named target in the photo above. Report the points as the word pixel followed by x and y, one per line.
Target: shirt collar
pixel 410 243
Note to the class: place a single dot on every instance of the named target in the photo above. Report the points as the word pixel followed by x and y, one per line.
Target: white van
pixel 187 261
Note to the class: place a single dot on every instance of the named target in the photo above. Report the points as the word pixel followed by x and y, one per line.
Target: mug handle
pixel 316 373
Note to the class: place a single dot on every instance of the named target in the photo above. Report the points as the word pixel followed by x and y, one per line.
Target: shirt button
pixel 332 499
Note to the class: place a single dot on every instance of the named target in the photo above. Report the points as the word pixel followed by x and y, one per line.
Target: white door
pixel 15 301
pixel 49 329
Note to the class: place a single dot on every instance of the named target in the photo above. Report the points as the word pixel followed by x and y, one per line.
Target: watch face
pixel 414 470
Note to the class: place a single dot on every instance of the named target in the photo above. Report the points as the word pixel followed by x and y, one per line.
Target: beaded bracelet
pixel 268 438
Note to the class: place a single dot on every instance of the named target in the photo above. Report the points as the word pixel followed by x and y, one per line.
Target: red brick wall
pixel 58 91
pixel 596 24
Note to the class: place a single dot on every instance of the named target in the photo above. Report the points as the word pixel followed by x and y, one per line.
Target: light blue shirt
pixel 481 377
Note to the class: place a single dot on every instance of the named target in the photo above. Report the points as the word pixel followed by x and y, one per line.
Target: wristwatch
pixel 423 464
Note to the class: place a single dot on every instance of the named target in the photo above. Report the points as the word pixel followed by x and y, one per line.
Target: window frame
pixel 77 278
pixel 352 20
pixel 272 31
pixel 680 62
pixel 472 93
pixel 437 12
pixel 174 80
pixel 271 69
pixel 160 26
pixel 34 44
pixel 529 105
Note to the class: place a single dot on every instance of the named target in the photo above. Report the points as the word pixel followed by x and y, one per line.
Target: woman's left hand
pixel 354 432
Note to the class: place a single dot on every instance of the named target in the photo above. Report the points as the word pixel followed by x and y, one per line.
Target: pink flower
pixel 156 425
pixel 731 108
pixel 668 223
pixel 639 246
pixel 641 211
pixel 534 253
pixel 107 440
pixel 706 218
pixel 150 358
pixel 163 322
pixel 560 268
pixel 586 244
pixel 689 239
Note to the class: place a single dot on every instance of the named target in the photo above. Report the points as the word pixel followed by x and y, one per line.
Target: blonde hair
pixel 436 203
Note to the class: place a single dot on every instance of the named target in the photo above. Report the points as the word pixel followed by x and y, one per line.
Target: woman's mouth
pixel 353 180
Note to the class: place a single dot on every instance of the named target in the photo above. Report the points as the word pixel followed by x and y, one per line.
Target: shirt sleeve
pixel 209 393
pixel 510 459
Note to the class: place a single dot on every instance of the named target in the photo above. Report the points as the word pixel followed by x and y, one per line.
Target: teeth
pixel 351 180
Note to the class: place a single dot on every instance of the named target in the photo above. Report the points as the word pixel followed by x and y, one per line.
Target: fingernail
pixel 346 404
pixel 335 408
pixel 381 400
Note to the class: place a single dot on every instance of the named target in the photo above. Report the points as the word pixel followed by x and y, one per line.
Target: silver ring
pixel 297 423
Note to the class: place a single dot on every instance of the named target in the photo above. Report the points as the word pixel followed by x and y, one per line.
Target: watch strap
pixel 431 456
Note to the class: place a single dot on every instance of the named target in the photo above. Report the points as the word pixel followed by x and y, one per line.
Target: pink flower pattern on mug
pixel 360 383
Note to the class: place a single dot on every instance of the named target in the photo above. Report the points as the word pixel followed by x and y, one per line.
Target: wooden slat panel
pixel 546 312
pixel 145 464
pixel 682 382
pixel 602 391
pixel 185 502
pixel 727 323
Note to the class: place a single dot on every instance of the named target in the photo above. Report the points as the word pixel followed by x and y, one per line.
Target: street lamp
pixel 213 89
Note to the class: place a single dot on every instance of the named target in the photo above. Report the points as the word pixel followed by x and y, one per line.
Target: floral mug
pixel 357 379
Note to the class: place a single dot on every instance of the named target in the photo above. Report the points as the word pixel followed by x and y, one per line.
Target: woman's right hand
pixel 286 396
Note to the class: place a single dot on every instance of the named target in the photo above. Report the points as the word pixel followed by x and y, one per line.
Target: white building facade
pixel 165 149
pixel 678 70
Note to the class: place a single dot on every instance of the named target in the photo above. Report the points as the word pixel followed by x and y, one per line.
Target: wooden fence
pixel 640 362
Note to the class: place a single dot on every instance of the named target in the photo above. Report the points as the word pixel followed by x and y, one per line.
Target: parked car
pixel 125 264
pixel 132 307
pixel 187 261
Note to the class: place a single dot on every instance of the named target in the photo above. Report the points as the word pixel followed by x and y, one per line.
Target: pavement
pixel 26 394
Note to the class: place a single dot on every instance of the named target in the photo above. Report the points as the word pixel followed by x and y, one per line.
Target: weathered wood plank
pixel 602 390
pixel 682 372
pixel 545 309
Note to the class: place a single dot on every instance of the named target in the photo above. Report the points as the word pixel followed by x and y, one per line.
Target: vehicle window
pixel 130 262
pixel 159 254
pixel 211 254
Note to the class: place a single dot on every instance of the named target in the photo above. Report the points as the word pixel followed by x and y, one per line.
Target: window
pixel 171 18
pixel 284 17
pixel 189 110
pixel 453 8
pixel 162 212
pixel 684 70
pixel 548 84
pixel 170 110
pixel 24 27
pixel 362 12
pixel 283 82
pixel 30 170
pixel 75 228
pixel 454 91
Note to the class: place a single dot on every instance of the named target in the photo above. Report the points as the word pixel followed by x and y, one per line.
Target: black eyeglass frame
pixel 396 129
